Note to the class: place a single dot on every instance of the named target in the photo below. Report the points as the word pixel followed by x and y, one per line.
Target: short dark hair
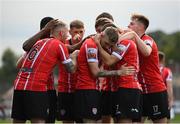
pixel 44 21
pixel 108 25
pixel 105 15
pixel 161 56
pixel 76 24
pixel 142 19
pixel 112 34
pixel 102 22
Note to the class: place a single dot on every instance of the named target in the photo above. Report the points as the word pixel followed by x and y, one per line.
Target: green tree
pixel 169 44
pixel 8 69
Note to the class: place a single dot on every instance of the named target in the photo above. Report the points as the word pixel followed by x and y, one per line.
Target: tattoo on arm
pixel 70 67
pixel 107 73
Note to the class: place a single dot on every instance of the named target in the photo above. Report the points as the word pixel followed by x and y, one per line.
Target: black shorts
pixel 155 105
pixel 28 105
pixel 87 104
pixel 52 106
pixel 106 102
pixel 65 108
pixel 114 102
pixel 127 103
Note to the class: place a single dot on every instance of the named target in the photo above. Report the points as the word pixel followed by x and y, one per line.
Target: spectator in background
pixel 167 78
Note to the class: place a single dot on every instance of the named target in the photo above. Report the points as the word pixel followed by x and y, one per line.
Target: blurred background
pixel 19 20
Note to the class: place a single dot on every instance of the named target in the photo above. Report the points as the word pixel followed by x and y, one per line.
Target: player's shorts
pixel 155 105
pixel 114 102
pixel 127 103
pixel 106 103
pixel 87 104
pixel 65 108
pixel 30 105
pixel 52 106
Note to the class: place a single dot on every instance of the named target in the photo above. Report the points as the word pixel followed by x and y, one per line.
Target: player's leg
pixel 18 112
pixel 37 106
pixel 52 106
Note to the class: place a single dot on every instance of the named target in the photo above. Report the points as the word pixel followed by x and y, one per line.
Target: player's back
pixel 38 65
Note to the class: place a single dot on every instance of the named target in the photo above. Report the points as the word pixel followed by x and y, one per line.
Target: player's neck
pixel 141 34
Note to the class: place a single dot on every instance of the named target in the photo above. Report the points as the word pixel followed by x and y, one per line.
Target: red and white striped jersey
pixel 66 81
pixel 88 53
pixel 128 54
pixel 39 63
pixel 166 74
pixel 150 76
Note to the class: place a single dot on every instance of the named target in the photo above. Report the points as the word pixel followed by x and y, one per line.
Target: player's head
pixel 161 57
pixel 100 23
pixel 108 25
pixel 105 15
pixel 109 37
pixel 139 23
pixel 77 27
pixel 60 31
pixel 44 21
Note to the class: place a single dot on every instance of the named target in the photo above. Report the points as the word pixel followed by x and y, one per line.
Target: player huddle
pixel 113 74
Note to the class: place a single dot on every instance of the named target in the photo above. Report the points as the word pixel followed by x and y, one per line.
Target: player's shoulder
pixel 127 41
pixel 90 42
pixel 55 41
pixel 147 37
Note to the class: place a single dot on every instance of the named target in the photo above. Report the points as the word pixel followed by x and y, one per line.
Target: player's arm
pixel 170 93
pixel 70 67
pixel 20 61
pixel 106 57
pixel 77 46
pixel 73 56
pixel 95 70
pixel 170 90
pixel 28 44
pixel 93 66
pixel 74 47
pixel 70 62
pixel 144 48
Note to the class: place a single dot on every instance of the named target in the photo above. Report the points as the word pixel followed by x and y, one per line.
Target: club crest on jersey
pixel 92 53
pixel 94 111
pixel 121 48
pixel 32 54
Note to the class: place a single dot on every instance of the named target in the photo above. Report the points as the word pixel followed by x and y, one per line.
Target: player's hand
pixel 127 30
pixel 97 39
pixel 75 54
pixel 77 37
pixel 170 104
pixel 51 24
pixel 131 35
pixel 126 70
